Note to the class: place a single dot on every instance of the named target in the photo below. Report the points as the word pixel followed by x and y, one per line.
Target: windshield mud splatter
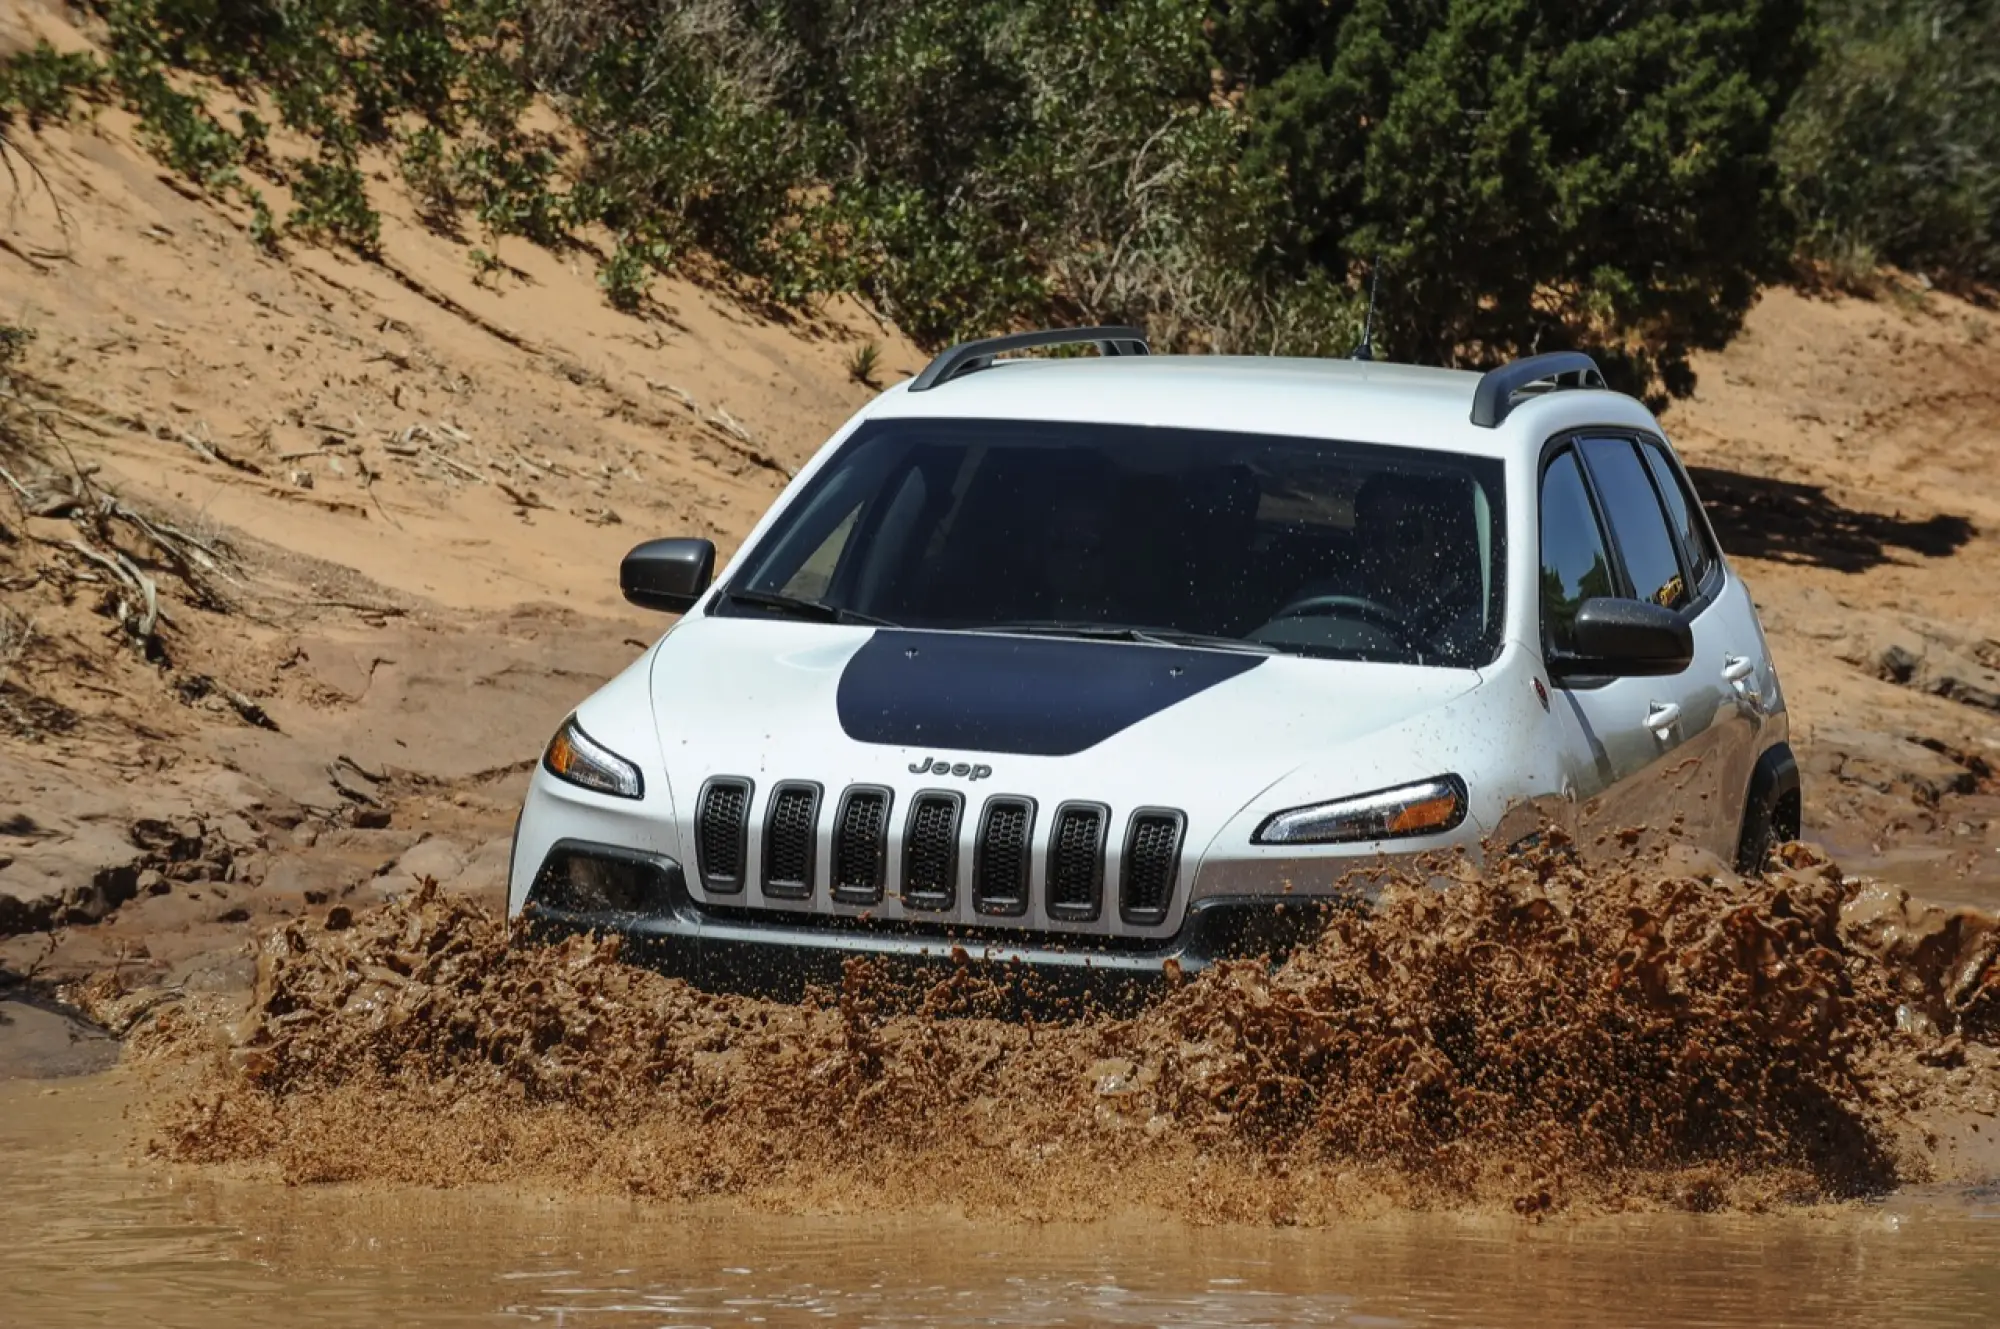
pixel 1535 1037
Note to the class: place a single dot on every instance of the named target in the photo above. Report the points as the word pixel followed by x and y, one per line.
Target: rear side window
pixel 1682 513
pixel 1575 565
pixel 1638 526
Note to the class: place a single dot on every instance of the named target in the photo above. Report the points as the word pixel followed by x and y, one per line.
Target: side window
pixel 1681 511
pixel 1575 566
pixel 1632 508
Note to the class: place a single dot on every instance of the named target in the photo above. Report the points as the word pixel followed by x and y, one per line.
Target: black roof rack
pixel 969 356
pixel 1494 397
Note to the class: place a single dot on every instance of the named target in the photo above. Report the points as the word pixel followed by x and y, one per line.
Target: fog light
pixel 577 881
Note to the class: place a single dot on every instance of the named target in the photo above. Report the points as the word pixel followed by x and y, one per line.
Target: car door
pixel 1729 646
pixel 1635 748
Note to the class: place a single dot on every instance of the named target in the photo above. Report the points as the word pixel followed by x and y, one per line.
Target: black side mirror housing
pixel 668 575
pixel 1625 639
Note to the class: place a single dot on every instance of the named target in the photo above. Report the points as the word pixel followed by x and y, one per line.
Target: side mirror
pixel 1625 639
pixel 668 575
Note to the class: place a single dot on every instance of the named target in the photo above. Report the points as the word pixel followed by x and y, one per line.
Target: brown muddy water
pixel 95 1238
pixel 1655 1093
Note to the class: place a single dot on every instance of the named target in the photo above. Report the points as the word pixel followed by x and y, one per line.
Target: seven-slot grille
pixel 1003 850
pixel 930 851
pixel 861 845
pixel 791 841
pixel 1076 862
pixel 1152 860
pixel 1000 857
pixel 722 833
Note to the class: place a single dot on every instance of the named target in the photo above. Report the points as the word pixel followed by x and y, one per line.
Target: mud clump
pixel 1532 1037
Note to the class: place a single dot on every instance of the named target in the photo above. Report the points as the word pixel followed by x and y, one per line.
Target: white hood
pixel 1124 724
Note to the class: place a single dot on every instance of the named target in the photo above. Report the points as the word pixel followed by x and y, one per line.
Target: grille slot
pixel 1151 862
pixel 791 840
pixel 861 845
pixel 1076 862
pixel 722 833
pixel 930 851
pixel 1000 856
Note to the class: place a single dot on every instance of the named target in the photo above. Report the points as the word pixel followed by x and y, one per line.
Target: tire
pixel 1770 810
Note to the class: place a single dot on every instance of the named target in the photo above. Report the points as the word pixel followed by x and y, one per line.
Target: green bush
pixel 1525 173
pixel 42 84
pixel 1533 173
pixel 330 202
pixel 1892 149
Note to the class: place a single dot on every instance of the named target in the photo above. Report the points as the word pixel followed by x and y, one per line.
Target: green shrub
pixel 427 175
pixel 1534 173
pixel 626 275
pixel 1529 173
pixel 330 202
pixel 43 84
pixel 1893 147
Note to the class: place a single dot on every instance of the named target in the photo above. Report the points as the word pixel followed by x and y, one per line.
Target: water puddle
pixel 96 1239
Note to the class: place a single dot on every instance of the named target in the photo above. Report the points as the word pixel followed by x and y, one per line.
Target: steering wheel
pixel 1372 612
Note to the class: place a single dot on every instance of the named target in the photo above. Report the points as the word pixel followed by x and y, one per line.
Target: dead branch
pixel 458 466
pixel 522 499
pixel 23 496
pixel 44 411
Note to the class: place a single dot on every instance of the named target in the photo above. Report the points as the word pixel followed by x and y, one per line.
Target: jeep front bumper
pixel 643 900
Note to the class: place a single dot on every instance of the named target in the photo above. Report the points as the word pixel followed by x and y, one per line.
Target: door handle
pixel 1662 716
pixel 1737 668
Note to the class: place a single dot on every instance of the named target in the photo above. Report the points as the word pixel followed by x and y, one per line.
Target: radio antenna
pixel 1366 350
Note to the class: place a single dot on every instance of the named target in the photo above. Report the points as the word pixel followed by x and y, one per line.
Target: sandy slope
pixel 416 484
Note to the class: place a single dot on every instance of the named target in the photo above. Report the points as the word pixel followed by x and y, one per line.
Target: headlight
pixel 575 756
pixel 1424 808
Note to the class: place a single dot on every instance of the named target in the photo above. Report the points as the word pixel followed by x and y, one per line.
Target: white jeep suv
pixel 1096 663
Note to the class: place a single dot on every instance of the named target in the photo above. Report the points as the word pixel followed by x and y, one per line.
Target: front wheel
pixel 1771 811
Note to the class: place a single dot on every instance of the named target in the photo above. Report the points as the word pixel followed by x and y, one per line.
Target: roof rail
pixel 1494 397
pixel 970 356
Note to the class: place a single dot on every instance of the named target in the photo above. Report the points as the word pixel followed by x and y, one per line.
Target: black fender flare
pixel 1770 807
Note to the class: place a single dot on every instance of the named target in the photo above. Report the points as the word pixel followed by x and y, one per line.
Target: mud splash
pixel 1664 1034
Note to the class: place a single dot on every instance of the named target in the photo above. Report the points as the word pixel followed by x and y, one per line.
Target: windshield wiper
pixel 1121 632
pixel 798 607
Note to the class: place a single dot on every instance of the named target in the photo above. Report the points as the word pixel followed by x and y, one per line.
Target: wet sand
pixel 97 1238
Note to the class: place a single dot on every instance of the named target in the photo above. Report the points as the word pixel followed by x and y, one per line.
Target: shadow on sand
pixel 1786 522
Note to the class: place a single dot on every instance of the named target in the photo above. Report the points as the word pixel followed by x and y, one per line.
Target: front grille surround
pixel 791 839
pixel 1074 891
pixel 930 850
pixel 1003 855
pixel 1150 865
pixel 722 833
pixel 861 844
pixel 951 859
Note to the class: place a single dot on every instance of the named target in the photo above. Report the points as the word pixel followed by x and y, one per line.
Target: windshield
pixel 1303 546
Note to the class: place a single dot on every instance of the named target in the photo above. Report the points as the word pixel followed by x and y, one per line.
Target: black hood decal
pixel 1037 696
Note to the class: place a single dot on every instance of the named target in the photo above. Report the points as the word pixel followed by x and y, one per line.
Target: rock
pixel 229 970
pixel 1897 663
pixel 486 869
pixel 232 791
pixel 433 857
pixel 1928 662
pixel 152 882
pixel 234 828
pixel 1886 763
pixel 76 879
pixel 39 1041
